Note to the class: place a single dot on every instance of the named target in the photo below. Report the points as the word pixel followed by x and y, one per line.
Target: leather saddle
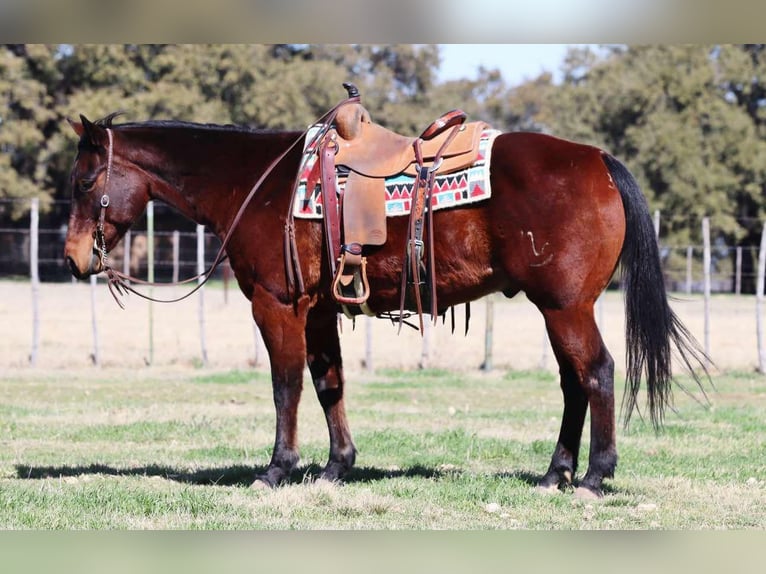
pixel 373 151
pixel 365 154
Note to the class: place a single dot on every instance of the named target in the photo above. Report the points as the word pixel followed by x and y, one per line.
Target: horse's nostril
pixel 73 267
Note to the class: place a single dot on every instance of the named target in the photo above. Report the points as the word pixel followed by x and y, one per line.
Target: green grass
pixel 177 449
pixel 231 377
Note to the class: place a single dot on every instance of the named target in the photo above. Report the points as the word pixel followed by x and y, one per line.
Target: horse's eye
pixel 86 185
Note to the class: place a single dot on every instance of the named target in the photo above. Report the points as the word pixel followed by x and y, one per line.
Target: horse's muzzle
pixel 94 266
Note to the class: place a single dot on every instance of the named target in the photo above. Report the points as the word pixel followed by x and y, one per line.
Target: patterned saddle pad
pixel 450 190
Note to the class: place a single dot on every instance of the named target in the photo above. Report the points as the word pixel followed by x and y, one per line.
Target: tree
pixel 742 69
pixel 688 121
pixel 263 86
pixel 25 118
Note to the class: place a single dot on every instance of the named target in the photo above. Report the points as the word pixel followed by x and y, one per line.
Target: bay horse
pixel 576 202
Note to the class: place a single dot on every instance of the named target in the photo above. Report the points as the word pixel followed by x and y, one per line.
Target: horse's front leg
pixel 283 335
pixel 326 366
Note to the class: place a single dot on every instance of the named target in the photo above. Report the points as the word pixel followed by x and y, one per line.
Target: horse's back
pixel 528 158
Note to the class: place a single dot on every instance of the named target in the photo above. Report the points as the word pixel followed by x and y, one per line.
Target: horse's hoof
pixel 584 493
pixel 334 472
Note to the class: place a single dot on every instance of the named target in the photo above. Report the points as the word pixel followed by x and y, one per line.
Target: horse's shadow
pixel 242 475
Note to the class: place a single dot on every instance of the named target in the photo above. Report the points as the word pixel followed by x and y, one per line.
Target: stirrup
pixel 358 280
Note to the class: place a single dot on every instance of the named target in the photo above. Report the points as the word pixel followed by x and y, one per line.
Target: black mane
pixel 107 122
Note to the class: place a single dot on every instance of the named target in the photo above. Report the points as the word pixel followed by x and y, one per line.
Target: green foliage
pixel 25 104
pixel 263 86
pixel 688 121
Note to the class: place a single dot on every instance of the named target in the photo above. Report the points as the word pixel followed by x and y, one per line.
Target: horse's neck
pixel 182 175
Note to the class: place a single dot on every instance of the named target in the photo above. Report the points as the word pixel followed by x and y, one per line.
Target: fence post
pixel 96 357
pixel 34 273
pixel 368 344
pixel 689 254
pixel 546 344
pixel 738 271
pixel 706 260
pixel 489 326
pixel 150 273
pixel 657 223
pixel 200 270
pixel 226 272
pixel 176 254
pixel 126 253
pixel 259 345
pixel 600 312
pixel 425 350
pixel 759 303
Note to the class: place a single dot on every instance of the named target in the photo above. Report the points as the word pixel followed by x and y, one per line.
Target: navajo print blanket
pixel 450 190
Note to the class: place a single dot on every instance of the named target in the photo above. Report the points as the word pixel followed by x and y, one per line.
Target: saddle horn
pixel 353 91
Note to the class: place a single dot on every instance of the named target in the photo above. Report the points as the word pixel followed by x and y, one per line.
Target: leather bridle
pixel 99 242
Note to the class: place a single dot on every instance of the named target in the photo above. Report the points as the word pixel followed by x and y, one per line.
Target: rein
pixel 119 283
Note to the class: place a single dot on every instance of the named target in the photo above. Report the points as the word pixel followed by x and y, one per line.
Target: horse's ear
pixel 93 132
pixel 78 128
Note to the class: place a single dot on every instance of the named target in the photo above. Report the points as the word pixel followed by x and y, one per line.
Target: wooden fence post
pixel 600 312
pixel 368 344
pixel 425 350
pixel 176 254
pixel 201 269
pixel 759 303
pixel 150 273
pixel 96 356
pixel 259 345
pixel 34 273
pixel 738 271
pixel 489 326
pixel 226 271
pixel 689 255
pixel 706 260
pixel 126 253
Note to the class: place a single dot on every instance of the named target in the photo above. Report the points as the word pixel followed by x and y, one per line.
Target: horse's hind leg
pixel 326 366
pixel 587 379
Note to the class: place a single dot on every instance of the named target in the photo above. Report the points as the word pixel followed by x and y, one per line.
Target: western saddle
pixel 353 148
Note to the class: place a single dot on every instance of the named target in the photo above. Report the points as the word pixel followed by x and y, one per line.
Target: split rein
pixel 120 283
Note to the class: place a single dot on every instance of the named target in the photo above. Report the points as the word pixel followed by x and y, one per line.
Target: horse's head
pixel 108 195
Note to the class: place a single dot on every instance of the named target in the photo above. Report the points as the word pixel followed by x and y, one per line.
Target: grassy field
pixel 176 448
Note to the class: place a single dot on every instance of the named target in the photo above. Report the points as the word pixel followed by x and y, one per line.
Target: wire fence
pixel 181 249
pixel 733 269
pixel 175 246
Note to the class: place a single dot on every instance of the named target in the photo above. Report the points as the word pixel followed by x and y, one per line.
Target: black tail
pixel 650 325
